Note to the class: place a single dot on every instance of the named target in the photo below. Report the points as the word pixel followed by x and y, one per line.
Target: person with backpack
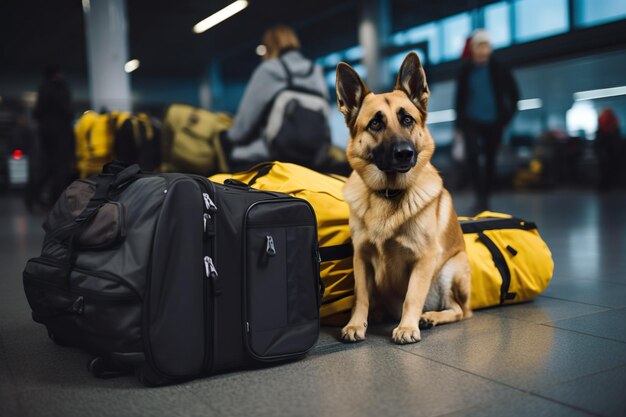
pixel 283 114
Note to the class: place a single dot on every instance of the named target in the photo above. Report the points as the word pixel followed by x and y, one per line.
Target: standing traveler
pixel 486 100
pixel 607 144
pixel 53 112
pixel 284 67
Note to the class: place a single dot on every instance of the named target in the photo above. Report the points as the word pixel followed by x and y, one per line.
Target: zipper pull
pixel 317 255
pixel 270 249
pixel 211 273
pixel 205 219
pixel 210 205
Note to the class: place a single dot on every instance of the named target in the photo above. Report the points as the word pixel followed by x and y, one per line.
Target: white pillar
pixel 374 28
pixel 107 52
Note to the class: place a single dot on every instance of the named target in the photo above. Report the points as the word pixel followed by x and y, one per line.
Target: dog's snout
pixel 403 152
pixel 395 156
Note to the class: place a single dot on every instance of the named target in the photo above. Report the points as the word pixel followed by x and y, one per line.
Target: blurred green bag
pixel 191 140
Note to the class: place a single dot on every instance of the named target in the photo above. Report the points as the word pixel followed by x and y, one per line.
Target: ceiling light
pixel 131 65
pixel 529 104
pixel 441 116
pixel 600 93
pixel 261 50
pixel 220 16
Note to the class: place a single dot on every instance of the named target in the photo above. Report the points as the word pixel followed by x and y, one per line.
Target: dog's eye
pixel 407 120
pixel 375 125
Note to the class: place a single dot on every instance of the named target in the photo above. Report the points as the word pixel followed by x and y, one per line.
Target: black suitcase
pixel 175 277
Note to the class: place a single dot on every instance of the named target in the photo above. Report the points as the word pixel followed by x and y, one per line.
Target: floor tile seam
pixel 465 371
pixel 605 309
pixel 530 393
pixel 532 390
pixel 584 334
pixel 591 374
pixel 568 405
pixel 600 280
pixel 585 315
pixel 582 302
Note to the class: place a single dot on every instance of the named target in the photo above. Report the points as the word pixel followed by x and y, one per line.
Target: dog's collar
pixel 389 194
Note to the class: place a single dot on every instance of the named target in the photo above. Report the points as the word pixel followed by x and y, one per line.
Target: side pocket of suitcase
pixel 281 279
pixel 95 311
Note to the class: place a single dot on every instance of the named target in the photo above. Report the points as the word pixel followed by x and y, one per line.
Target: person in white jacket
pixel 269 78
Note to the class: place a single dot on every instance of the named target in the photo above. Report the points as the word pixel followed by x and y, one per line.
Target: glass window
pixel 425 33
pixel 456 29
pixel 353 54
pixel 498 24
pixel 595 12
pixel 535 19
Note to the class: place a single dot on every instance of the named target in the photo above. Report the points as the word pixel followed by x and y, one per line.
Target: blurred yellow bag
pixel 510 262
pixel 324 193
pixel 191 140
pixel 95 140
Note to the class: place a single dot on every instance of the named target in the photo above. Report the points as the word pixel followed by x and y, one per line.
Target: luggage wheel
pixel 56 340
pixel 103 368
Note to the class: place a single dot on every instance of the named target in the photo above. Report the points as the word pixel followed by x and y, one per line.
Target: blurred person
pixel 245 140
pixel 53 112
pixel 486 100
pixel 607 145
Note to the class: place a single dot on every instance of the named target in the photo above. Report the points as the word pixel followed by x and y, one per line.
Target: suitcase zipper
pixel 211 275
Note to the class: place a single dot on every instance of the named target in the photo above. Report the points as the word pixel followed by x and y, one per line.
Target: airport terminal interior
pixel 559 165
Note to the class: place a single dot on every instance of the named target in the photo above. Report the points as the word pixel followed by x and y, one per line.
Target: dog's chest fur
pixel 394 235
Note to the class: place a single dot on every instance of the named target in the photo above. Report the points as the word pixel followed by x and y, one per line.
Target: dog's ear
pixel 412 80
pixel 351 91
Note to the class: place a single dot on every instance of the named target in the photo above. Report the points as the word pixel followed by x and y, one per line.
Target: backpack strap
pixel 287 72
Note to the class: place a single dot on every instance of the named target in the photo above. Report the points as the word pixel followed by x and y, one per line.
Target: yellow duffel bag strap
pixel 492 222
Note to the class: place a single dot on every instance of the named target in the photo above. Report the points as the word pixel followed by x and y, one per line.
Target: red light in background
pixel 17 154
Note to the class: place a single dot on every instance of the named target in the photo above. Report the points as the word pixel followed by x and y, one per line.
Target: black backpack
pixel 174 277
pixel 138 140
pixel 297 127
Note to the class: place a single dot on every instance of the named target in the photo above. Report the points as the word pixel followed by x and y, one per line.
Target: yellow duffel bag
pixel 324 193
pixel 510 262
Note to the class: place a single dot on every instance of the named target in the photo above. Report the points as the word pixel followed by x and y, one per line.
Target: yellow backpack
pixel 510 263
pixel 95 140
pixel 324 193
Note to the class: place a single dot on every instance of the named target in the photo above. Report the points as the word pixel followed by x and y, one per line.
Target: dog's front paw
pixel 403 335
pixel 352 333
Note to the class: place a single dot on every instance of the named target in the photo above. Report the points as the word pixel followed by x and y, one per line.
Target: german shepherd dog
pixel 409 252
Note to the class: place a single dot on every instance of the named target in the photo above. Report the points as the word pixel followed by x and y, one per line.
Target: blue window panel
pixel 595 12
pixel 353 54
pixel 396 60
pixel 330 60
pixel 498 24
pixel 425 33
pixel 536 19
pixel 456 29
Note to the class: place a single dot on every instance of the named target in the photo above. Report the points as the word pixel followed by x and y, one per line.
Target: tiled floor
pixel 564 354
